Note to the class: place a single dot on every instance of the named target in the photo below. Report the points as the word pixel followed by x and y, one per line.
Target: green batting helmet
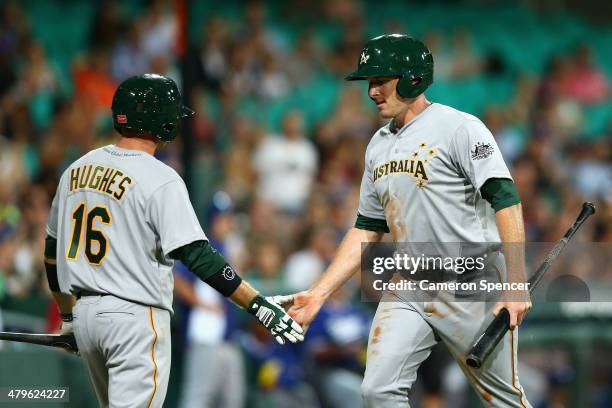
pixel 397 55
pixel 151 104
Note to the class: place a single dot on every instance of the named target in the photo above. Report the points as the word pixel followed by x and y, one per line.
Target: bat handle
pixel 489 339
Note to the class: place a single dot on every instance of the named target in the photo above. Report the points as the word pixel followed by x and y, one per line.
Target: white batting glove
pixel 67 324
pixel 275 319
pixel 281 300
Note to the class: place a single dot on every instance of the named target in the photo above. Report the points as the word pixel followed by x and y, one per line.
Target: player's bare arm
pixel 306 304
pixel 512 233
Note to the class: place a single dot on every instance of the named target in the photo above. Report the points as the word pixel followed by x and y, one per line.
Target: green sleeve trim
pixel 50 247
pixel 500 193
pixel 200 257
pixel 371 224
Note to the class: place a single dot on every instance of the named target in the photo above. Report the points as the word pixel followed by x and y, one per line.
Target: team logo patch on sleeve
pixel 228 273
pixel 482 151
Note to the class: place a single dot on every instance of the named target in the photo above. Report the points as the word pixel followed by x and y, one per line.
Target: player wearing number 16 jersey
pixel 119 219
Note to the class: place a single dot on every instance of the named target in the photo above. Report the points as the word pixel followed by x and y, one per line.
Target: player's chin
pixel 385 114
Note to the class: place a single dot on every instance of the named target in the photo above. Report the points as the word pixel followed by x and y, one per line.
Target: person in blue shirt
pixel 336 343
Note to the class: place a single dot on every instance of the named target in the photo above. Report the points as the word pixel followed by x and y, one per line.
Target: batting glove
pixel 66 323
pixel 275 318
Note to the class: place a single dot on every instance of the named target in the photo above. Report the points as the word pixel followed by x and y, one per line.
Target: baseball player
pixel 118 221
pixel 432 174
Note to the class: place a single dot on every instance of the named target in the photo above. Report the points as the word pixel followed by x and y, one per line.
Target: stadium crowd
pixel 274 196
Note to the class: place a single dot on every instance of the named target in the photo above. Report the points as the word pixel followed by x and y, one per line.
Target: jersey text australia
pixel 425 179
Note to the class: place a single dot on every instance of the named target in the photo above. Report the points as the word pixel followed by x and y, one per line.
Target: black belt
pixel 82 293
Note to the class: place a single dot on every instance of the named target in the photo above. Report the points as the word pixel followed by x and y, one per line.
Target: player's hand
pixel 516 309
pixel 67 324
pixel 281 300
pixel 305 307
pixel 274 318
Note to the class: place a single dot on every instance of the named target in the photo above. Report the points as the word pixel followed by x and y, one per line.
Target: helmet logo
pixel 122 119
pixel 364 58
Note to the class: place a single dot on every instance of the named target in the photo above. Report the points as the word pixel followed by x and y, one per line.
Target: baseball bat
pixel 65 341
pixel 496 330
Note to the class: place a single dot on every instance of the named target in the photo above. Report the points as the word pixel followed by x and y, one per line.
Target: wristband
pixel 66 317
pixel 225 281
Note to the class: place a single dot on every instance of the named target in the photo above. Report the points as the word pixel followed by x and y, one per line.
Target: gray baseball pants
pixel 403 334
pixel 126 350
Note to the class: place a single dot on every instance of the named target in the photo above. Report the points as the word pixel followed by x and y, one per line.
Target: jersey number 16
pixel 91 234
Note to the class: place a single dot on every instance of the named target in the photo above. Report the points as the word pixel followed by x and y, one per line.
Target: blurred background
pixel 273 162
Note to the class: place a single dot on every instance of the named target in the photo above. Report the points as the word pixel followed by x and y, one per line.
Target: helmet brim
pixel 369 72
pixel 187 112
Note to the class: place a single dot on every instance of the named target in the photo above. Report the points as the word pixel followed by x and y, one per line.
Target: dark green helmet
pixel 397 55
pixel 151 104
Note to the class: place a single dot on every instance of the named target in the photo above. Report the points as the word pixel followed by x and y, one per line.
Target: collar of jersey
pixel 391 126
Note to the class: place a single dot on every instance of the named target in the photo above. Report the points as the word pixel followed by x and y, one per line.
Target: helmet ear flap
pixel 410 87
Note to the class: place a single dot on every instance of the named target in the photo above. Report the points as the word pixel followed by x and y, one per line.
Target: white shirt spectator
pixel 206 326
pixel 303 269
pixel 286 167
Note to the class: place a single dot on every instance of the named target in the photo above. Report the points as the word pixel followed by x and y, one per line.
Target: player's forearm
pixel 244 295
pixel 512 233
pixel 345 263
pixel 64 302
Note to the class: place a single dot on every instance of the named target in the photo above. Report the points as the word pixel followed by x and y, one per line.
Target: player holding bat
pixel 432 174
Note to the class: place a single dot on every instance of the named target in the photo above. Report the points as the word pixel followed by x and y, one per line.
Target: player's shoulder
pixel 88 157
pixel 447 115
pixel 145 170
pixel 457 122
pixel 157 173
pixel 379 136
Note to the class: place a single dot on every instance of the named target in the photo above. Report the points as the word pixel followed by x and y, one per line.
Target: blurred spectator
pixel 592 173
pixel 13 28
pixel 211 59
pixel 443 58
pixel 266 275
pixel 337 339
pixel 241 76
pixel 107 26
pixel 305 266
pixel 223 230
pixel 277 371
pixel 510 141
pixel 128 58
pixel 345 54
pixel 584 81
pixel 273 82
pixel 213 368
pixel 286 166
pixel 93 81
pixel 159 29
pixel 465 60
pixel 307 58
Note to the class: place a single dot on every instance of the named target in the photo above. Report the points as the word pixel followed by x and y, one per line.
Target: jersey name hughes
pixel 414 167
pixel 99 178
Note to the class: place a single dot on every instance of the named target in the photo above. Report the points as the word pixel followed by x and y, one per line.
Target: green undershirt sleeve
pixel 500 193
pixel 371 224
pixel 51 267
pixel 200 257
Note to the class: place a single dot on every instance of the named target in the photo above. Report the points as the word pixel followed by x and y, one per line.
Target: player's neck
pixel 413 109
pixel 137 143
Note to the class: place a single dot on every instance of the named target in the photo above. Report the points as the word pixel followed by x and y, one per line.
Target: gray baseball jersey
pixel 425 178
pixel 116 215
